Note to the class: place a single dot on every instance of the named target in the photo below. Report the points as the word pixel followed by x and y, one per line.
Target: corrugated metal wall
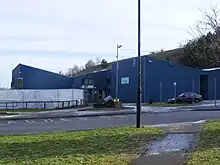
pixel 212 91
pixel 127 72
pixel 158 79
pixel 34 78
pixel 100 79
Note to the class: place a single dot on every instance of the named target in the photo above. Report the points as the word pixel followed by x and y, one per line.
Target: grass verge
pixel 208 147
pixel 109 146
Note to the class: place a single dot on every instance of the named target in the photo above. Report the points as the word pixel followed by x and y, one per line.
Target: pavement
pixel 173 148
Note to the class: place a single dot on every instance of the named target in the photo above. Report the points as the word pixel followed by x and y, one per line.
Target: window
pixel 88 81
pixel 182 94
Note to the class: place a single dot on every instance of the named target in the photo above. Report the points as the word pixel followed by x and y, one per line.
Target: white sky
pixel 56 34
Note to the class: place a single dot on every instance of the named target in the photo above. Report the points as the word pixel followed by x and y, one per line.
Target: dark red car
pixel 188 97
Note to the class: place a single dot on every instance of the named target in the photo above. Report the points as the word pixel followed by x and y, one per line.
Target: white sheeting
pixel 39 95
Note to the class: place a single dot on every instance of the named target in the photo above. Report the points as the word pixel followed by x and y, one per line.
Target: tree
pixel 61 73
pixel 104 63
pixel 73 71
pixel 204 50
pixel 89 64
pixel 209 23
pixel 97 61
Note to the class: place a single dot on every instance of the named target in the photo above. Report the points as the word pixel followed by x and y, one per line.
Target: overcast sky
pixel 56 34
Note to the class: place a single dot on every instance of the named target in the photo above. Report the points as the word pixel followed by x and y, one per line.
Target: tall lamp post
pixel 138 117
pixel 117 69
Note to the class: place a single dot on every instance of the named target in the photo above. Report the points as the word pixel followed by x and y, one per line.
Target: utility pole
pixel 117 70
pixel 138 117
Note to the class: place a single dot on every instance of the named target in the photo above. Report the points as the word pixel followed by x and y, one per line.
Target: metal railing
pixel 42 104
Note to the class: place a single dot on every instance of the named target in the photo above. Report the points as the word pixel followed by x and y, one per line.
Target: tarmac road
pixel 81 123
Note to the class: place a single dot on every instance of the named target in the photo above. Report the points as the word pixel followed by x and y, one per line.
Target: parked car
pixel 187 97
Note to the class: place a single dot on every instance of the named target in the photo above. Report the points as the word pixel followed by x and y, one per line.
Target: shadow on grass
pixel 94 145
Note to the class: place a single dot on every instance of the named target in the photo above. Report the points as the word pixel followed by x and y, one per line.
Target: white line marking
pixel 181 123
pixel 10 122
pixel 120 116
pixel 104 117
pixel 63 119
pixel 29 121
pixel 47 120
pixel 82 118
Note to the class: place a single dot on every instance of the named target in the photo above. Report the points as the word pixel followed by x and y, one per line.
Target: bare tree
pixel 209 23
pixel 203 51
pixel 98 61
pixel 73 71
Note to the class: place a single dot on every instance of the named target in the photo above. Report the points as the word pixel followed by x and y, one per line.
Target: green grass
pixel 109 146
pixel 208 148
pixel 164 105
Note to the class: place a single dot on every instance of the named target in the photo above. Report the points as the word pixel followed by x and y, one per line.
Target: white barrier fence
pixel 54 97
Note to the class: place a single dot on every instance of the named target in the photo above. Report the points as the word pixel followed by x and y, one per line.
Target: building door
pixel 204 86
pixel 20 83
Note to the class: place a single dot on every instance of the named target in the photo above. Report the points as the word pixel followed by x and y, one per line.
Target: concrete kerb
pixel 23 117
pixel 93 114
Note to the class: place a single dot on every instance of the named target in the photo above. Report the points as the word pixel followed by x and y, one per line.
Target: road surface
pixel 80 123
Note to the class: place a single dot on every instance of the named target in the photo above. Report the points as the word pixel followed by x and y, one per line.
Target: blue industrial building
pixel 161 79
pixel 26 77
pixel 209 83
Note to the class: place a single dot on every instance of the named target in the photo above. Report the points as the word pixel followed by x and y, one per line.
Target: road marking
pixel 120 116
pixel 50 120
pixel 82 118
pixel 29 121
pixel 11 122
pixel 47 120
pixel 63 119
pixel 104 117
pixel 179 124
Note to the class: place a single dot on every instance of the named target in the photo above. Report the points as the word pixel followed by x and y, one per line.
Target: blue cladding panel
pixel 127 69
pixel 15 76
pixel 166 73
pixel 34 78
pixel 212 90
pixel 100 79
pixel 155 72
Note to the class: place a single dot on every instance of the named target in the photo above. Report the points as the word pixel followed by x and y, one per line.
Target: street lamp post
pixel 138 117
pixel 117 70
